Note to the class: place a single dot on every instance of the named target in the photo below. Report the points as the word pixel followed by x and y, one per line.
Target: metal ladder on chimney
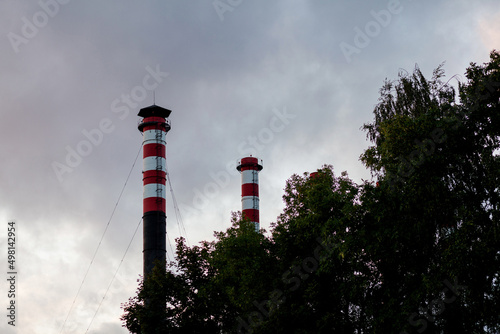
pixel 255 199
pixel 159 138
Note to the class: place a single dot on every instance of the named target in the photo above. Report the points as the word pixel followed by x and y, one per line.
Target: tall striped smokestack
pixel 250 168
pixel 154 127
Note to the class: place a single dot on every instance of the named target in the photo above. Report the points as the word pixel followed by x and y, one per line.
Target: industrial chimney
pixel 249 168
pixel 154 126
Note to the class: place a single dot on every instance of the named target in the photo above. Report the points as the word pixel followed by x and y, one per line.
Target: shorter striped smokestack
pixel 249 168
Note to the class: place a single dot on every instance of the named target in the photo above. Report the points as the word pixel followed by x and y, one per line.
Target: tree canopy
pixel 415 250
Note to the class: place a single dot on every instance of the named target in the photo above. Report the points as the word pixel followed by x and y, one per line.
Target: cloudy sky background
pixel 231 72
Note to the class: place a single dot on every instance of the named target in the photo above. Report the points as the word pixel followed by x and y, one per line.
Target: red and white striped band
pixel 249 168
pixel 154 164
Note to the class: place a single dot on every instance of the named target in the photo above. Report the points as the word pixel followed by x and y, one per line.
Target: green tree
pixel 317 279
pixel 438 168
pixel 175 301
pixel 208 288
pixel 245 266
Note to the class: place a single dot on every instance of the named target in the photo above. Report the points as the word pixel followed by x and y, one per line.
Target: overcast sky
pixel 289 81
